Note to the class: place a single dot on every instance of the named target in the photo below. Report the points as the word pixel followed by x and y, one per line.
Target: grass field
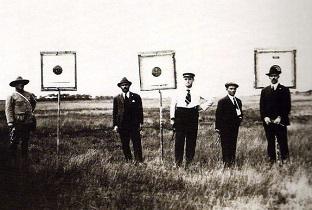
pixel 90 173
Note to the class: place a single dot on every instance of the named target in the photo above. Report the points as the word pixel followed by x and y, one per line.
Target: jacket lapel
pixel 121 99
pixel 229 101
pixel 278 87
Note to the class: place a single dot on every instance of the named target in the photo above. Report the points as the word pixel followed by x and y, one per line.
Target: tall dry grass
pixel 90 172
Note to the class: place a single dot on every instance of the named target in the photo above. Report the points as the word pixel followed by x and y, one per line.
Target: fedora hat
pixel 275 69
pixel 19 80
pixel 124 81
pixel 231 84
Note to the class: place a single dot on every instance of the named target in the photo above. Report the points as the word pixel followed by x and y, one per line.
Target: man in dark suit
pixel 128 120
pixel 228 118
pixel 275 107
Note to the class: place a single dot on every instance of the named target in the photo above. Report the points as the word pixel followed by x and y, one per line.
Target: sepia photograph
pixel 167 104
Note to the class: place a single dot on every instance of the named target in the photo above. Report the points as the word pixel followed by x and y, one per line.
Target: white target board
pixel 157 70
pixel 58 71
pixel 264 59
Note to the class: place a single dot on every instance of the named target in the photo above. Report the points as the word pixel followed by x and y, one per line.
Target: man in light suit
pixel 275 105
pixel 128 120
pixel 228 118
pixel 19 109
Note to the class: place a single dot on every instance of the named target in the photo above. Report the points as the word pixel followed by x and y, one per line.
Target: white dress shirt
pixel 196 101
pixel 126 94
pixel 238 111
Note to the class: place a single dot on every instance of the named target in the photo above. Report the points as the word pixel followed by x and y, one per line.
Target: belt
pixel 195 108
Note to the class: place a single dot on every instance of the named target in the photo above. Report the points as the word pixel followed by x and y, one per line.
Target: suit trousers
pixel 280 132
pixel 134 135
pixel 186 125
pixel 228 144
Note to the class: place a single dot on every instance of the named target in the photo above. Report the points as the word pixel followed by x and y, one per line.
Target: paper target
pixel 264 59
pixel 58 71
pixel 157 70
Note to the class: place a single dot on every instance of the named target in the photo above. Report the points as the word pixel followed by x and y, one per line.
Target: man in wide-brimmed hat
pixel 275 105
pixel 229 115
pixel 19 109
pixel 128 120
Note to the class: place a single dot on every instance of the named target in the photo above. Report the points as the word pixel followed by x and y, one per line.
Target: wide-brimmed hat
pixel 191 75
pixel 19 80
pixel 231 84
pixel 124 81
pixel 275 69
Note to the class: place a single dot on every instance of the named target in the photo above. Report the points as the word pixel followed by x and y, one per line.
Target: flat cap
pixel 231 84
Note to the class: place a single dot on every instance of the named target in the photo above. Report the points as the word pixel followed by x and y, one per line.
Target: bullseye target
pixel 157 70
pixel 58 71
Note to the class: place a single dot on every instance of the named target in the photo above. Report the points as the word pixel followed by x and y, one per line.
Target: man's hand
pixel 141 127
pixel 267 120
pixel 277 120
pixel 115 128
pixel 10 125
pixel 172 123
pixel 217 130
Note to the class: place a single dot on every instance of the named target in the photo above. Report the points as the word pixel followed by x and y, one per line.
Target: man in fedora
pixel 19 109
pixel 275 105
pixel 184 113
pixel 128 120
pixel 229 115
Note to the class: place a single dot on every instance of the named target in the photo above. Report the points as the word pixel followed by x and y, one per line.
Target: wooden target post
pixel 58 73
pixel 157 71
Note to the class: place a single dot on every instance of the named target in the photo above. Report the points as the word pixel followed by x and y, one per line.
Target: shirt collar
pixel 231 97
pixel 274 86
pixel 124 94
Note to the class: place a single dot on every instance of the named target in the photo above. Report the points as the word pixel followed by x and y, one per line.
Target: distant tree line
pixel 69 97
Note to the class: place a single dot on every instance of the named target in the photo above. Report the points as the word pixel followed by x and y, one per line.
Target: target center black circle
pixel 57 70
pixel 156 72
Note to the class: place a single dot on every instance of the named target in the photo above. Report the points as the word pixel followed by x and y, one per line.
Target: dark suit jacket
pixel 226 116
pixel 135 111
pixel 275 103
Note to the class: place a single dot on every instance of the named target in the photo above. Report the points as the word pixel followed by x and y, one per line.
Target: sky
pixel 213 39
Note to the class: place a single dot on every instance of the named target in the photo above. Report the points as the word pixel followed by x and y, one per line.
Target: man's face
pixel 125 87
pixel 188 81
pixel 19 87
pixel 274 78
pixel 231 90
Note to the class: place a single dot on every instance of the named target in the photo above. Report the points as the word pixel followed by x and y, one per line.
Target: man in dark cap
pixel 184 118
pixel 229 115
pixel 19 109
pixel 128 120
pixel 275 105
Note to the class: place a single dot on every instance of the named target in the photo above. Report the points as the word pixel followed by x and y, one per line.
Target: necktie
pixel 126 98
pixel 188 97
pixel 235 103
pixel 273 89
